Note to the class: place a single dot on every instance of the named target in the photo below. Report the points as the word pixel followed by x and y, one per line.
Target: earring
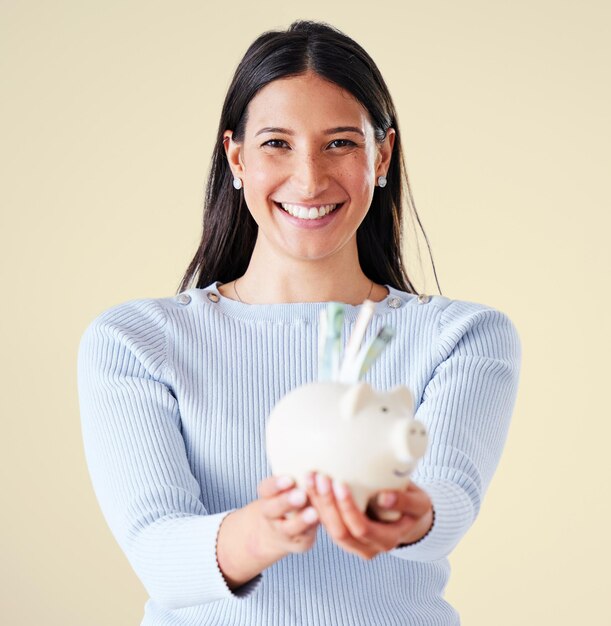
pixel 237 183
pixel 382 181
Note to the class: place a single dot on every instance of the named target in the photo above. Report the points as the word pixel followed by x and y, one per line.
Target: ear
pixel 355 399
pixel 233 151
pixel 404 397
pixel 384 153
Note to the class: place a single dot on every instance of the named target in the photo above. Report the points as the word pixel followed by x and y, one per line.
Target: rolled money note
pixel 330 342
pixel 356 339
pixel 369 353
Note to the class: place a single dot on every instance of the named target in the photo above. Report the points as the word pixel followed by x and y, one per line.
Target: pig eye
pixel 385 409
pixel 412 431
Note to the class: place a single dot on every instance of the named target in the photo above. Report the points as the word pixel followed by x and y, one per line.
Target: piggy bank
pixel 350 432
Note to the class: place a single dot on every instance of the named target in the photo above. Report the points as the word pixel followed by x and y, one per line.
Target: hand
pixel 252 538
pixel 273 532
pixel 355 531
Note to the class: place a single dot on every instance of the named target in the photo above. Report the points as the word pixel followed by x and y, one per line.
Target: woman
pixel 303 207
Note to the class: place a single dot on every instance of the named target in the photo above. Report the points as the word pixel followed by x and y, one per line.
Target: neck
pixel 270 280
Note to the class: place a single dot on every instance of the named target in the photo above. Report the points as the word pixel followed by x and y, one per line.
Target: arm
pixel 137 460
pixel 467 407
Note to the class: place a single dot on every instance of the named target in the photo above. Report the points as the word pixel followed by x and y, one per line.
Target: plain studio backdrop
pixel 108 112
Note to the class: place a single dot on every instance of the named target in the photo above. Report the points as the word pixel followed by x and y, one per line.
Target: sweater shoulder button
pixel 212 297
pixel 183 298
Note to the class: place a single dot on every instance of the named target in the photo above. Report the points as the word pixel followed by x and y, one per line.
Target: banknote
pixel 330 346
pixel 356 339
pixel 368 354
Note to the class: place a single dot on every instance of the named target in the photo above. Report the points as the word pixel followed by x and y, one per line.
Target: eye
pixel 384 409
pixel 347 142
pixel 273 141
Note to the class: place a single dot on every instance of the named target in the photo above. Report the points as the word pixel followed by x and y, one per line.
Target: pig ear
pixel 404 397
pixel 354 399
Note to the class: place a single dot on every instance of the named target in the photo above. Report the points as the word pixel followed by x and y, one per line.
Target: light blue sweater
pixel 174 395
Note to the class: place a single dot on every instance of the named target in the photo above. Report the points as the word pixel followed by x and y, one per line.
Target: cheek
pixel 359 181
pixel 261 181
pixel 259 169
pixel 262 171
pixel 359 175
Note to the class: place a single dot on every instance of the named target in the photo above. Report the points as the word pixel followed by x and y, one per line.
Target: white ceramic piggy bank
pixel 350 432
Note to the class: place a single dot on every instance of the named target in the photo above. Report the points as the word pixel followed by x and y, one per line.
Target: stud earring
pixel 237 183
pixel 382 181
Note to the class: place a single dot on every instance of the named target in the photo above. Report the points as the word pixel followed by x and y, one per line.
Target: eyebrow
pixel 329 131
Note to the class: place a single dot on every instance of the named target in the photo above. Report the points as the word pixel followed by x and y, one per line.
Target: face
pixel 307 144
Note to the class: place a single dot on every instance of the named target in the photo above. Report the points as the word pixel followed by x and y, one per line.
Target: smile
pixel 401 474
pixel 308 213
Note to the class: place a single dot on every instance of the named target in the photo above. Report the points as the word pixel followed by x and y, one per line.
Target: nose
pixel 417 439
pixel 310 175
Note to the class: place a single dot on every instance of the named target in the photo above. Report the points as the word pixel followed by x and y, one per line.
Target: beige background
pixel 107 116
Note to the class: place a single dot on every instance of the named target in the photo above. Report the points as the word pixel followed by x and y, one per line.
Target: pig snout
pixel 417 439
pixel 409 441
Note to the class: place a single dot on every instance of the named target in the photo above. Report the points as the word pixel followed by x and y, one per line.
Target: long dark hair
pixel 229 231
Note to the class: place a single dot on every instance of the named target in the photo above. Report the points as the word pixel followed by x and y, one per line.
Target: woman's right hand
pixel 277 534
pixel 253 537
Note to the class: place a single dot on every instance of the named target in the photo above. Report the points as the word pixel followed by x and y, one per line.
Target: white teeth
pixel 308 214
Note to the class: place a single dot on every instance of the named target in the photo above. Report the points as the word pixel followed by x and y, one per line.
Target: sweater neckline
pixel 294 312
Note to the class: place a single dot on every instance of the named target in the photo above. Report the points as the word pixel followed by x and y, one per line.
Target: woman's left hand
pixel 355 531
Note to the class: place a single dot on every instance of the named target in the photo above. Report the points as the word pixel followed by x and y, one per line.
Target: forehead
pixel 306 100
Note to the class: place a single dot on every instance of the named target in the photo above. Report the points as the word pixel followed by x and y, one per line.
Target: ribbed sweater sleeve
pixel 467 406
pixel 137 461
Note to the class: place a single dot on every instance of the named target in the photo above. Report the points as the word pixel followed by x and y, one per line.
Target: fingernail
pixel 387 499
pixel 310 515
pixel 340 490
pixel 309 479
pixel 322 484
pixel 297 497
pixel 283 482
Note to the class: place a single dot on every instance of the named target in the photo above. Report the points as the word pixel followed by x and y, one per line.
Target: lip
pixel 319 223
pixel 307 205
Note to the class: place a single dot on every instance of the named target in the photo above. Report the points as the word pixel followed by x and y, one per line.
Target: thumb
pixel 380 513
pixel 273 485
